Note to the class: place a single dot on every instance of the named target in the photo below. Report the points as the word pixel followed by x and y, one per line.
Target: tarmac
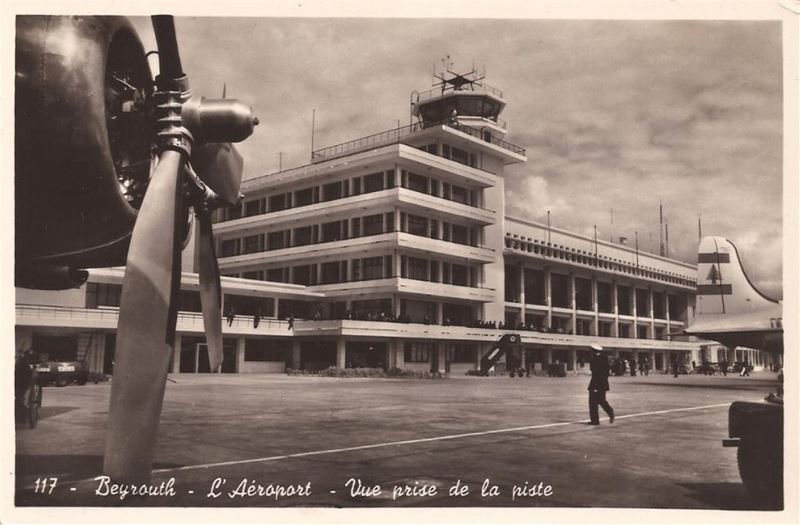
pixel 294 441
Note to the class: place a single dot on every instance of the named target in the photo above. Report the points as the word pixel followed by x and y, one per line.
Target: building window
pixel 304 275
pixel 418 268
pixel 253 207
pixel 459 272
pixel 230 247
pixel 99 294
pixel 332 231
pixel 417 225
pixel 459 194
pixel 357 186
pixel 332 191
pixel 252 243
pixel 278 202
pixel 373 182
pixel 417 352
pixel 373 224
pixel 302 236
pixel 304 197
pixel 266 350
pixel 434 231
pixel 355 226
pixel 254 276
pixel 373 268
pixel 461 353
pixel 459 234
pixel 330 272
pixel 417 183
pixel 276 240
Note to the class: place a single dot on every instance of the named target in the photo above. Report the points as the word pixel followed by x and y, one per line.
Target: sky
pixel 619 115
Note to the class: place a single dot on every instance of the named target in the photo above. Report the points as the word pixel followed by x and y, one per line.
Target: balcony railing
pixel 347 238
pixel 475 88
pixel 395 136
pixel 110 314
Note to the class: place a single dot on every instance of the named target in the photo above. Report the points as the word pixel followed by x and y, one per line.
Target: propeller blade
pixel 220 166
pixel 210 292
pixel 146 328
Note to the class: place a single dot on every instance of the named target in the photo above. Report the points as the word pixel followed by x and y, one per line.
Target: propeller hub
pixel 218 120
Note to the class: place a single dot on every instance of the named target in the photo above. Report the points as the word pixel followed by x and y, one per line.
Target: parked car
pixel 62 373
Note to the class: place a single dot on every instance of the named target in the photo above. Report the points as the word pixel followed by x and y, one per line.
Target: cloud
pixel 613 114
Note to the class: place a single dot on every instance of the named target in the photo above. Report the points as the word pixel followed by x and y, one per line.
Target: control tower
pixel 461 99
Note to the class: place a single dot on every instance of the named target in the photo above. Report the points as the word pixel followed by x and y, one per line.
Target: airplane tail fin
pixel 722 285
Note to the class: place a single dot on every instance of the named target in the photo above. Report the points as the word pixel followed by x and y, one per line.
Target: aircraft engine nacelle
pixel 82 145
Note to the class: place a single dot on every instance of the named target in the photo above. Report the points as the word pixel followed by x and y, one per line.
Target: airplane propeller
pixel 198 167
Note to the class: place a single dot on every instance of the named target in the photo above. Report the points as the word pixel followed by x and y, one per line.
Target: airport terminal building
pixel 394 250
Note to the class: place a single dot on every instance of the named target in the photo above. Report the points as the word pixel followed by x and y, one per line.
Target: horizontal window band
pixel 713 257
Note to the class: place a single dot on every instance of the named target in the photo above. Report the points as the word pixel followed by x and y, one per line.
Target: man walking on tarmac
pixel 598 386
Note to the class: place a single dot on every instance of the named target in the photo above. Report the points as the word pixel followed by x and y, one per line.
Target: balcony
pixel 107 317
pixel 378 242
pixel 398 135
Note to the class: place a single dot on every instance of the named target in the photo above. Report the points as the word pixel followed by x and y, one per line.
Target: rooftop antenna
pixel 660 229
pixel 449 79
pixel 548 226
pixel 313 123
pixel 699 227
pixel 611 232
pixel 666 234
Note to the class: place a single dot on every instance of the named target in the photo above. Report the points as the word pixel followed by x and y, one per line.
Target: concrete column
pixel 573 359
pixel 595 308
pixel 523 361
pixel 615 304
pixel 240 343
pixel 522 291
pixel 388 355
pixel 574 304
pixel 341 353
pixel 548 291
pixel 396 261
pixel 652 334
pixel 635 313
pixel 176 355
pixel 396 225
pixel 548 355
pixel 442 351
pixel 296 355
pixel 396 179
pixel 396 305
pixel 399 354
pixel 439 314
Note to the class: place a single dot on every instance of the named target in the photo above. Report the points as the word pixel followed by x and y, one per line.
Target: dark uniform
pixel 598 387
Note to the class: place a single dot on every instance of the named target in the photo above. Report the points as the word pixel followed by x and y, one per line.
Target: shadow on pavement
pixel 724 496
